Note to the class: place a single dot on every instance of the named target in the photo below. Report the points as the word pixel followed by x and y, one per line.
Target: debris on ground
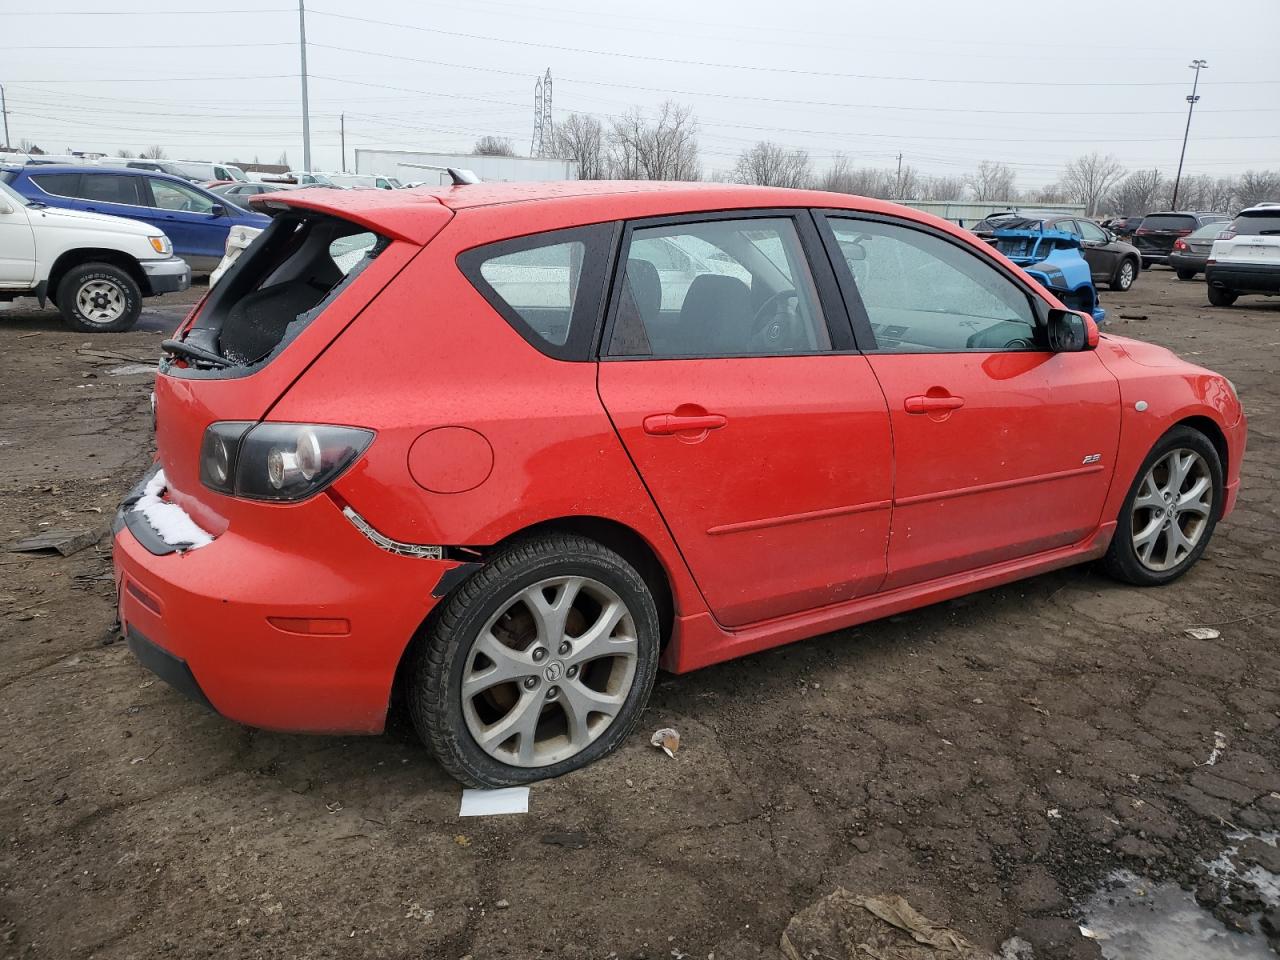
pixel 1219 744
pixel 492 803
pixel 64 542
pixel 101 355
pixel 416 911
pixel 667 739
pixel 1202 633
pixel 573 840
pixel 844 926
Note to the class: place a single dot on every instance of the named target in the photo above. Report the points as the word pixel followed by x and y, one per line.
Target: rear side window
pixel 548 286
pixel 1169 221
pixel 1258 224
pixel 109 188
pixel 58 184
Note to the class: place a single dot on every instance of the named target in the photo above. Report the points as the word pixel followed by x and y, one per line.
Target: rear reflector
pixel 312 626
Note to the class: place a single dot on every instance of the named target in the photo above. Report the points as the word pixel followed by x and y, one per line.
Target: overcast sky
pixel 947 83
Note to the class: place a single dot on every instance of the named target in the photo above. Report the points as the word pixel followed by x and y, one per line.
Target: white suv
pixel 1246 256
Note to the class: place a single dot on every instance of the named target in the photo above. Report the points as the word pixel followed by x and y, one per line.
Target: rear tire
pixel 99 298
pixel 504 688
pixel 1187 274
pixel 1195 499
pixel 1221 297
pixel 1126 273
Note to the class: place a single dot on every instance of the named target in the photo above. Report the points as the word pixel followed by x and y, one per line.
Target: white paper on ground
pixel 491 803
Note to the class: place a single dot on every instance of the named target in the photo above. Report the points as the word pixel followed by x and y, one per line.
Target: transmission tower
pixel 543 137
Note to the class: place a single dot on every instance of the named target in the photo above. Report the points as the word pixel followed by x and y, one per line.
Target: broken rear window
pixel 290 274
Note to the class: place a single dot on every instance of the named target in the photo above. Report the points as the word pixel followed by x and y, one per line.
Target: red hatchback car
pixel 510 448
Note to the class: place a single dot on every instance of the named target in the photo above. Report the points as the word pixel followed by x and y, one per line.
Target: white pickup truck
pixel 96 269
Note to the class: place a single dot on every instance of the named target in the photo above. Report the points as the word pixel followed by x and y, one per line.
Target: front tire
pixel 1170 513
pixel 538 664
pixel 1126 273
pixel 99 298
pixel 1220 297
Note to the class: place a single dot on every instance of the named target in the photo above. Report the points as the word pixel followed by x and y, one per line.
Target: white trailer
pixel 412 165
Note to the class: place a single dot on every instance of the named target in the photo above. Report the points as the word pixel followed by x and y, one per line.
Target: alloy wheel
pixel 100 301
pixel 1171 510
pixel 1126 275
pixel 549 672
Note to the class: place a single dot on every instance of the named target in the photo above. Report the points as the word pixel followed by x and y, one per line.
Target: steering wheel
pixel 773 324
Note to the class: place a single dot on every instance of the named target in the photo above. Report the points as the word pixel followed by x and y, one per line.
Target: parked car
pixel 304 179
pixel 431 467
pixel 239 193
pixel 1189 253
pixel 196 220
pixel 1053 258
pixel 366 180
pixel 95 268
pixel 1111 261
pixel 1246 256
pixel 1123 227
pixel 1158 231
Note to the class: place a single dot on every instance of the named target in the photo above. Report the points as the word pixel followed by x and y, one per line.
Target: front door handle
pixel 664 424
pixel 928 404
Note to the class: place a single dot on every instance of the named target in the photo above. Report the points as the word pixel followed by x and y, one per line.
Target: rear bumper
pixel 1187 261
pixel 1244 277
pixel 167 276
pixel 302 633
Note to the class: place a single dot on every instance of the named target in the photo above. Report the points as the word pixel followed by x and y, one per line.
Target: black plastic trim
pixel 172 669
pixel 599 241
pixel 452 578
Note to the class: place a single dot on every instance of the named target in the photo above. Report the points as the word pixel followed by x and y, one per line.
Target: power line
pixel 615 54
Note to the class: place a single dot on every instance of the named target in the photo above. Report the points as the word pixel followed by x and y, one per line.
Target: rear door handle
pixel 932 404
pixel 664 424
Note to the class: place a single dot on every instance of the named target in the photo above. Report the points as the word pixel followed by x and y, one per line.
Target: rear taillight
pixel 277 461
pixel 1179 245
pixel 1226 235
pixel 1141 232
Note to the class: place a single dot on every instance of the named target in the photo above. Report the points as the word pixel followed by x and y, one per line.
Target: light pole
pixel 306 114
pixel 1197 66
pixel 4 109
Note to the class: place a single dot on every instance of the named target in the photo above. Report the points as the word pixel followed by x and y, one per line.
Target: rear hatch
pixel 1253 237
pixel 1160 230
pixel 279 306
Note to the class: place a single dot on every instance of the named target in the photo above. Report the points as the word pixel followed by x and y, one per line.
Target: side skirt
pixel 699 641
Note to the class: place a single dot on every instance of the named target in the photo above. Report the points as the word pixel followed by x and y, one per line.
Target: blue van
pixel 195 220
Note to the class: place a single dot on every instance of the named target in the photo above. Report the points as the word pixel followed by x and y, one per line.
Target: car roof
pixel 574 202
pixel 43 168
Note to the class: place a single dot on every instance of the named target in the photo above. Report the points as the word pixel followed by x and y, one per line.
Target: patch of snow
pixel 168 519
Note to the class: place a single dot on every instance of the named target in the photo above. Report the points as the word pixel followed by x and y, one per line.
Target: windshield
pixel 9 193
pixel 237 174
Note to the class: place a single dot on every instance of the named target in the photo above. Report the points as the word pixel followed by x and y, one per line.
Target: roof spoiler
pixel 459 176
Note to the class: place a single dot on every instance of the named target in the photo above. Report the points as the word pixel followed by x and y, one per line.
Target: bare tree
pixel 842 177
pixel 772 165
pixel 944 188
pixel 665 149
pixel 494 147
pixel 28 146
pixel 581 137
pixel 1088 178
pixel 153 153
pixel 126 154
pixel 908 184
pixel 1049 193
pixel 1136 194
pixel 284 158
pixel 992 181
pixel 1258 186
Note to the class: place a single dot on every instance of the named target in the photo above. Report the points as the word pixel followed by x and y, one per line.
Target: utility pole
pixel 306 113
pixel 4 109
pixel 1197 66
pixel 342 132
pixel 898 186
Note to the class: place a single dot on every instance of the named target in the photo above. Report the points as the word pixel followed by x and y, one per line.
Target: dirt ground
pixel 918 756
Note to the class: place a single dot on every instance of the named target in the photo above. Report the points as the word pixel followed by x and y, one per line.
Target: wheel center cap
pixel 554 671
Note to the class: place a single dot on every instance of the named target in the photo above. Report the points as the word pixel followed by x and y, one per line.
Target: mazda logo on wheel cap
pixel 554 671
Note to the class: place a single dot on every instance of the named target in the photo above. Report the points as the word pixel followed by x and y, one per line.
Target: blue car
pixel 196 220
pixel 1054 259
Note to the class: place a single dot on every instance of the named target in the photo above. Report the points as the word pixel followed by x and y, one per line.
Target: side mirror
pixel 854 251
pixel 5 208
pixel 217 210
pixel 1071 332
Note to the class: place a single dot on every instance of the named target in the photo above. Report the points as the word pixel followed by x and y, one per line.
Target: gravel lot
pixel 916 756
